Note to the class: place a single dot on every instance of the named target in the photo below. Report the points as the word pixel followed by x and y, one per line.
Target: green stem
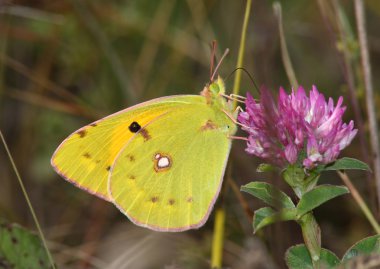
pixel 217 240
pixel 239 63
pixel 28 202
pixel 218 233
pixel 312 237
pixel 300 183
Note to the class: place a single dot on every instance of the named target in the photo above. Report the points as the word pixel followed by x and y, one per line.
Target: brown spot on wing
pixel 82 133
pixel 93 124
pixel 132 177
pixel 209 125
pixel 145 134
pixel 108 168
pixel 131 158
pixel 87 155
pixel 171 201
pixel 189 199
pixel 154 199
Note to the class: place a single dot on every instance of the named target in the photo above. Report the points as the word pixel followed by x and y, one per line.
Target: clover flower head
pixel 298 129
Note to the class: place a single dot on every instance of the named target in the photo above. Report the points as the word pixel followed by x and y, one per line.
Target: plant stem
pixel 366 65
pixel 218 234
pixel 312 237
pixel 359 200
pixel 35 219
pixel 239 63
pixel 217 241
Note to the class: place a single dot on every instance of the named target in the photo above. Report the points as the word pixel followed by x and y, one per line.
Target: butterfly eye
pixel 214 88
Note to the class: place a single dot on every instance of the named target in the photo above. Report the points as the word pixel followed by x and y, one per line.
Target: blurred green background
pixel 65 63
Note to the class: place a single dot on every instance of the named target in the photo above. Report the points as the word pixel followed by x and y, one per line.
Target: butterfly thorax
pixel 214 94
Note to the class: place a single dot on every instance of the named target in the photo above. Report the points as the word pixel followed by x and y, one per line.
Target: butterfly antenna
pixel 218 65
pixel 213 55
pixel 249 75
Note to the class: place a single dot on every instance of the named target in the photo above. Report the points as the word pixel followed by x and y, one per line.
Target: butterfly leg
pixel 233 97
pixel 238 98
pixel 234 116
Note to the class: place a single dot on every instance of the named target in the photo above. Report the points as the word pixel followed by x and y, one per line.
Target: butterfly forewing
pixel 169 174
pixel 86 156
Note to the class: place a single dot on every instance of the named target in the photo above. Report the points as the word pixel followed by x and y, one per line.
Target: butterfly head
pixel 214 91
pixel 217 87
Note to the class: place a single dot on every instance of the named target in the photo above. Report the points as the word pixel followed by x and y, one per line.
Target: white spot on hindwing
pixel 162 162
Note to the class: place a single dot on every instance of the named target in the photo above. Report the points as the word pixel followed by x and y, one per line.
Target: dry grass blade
pixel 26 196
pixel 150 49
pixel 105 45
pixel 366 68
pixel 47 102
pixel 284 49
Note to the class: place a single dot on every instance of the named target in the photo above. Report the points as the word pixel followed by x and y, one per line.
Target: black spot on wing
pixel 134 127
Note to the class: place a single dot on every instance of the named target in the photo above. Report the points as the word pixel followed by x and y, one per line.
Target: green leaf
pixel 21 249
pixel 266 216
pixel 318 196
pixel 269 194
pixel 347 164
pixel 298 257
pixel 366 246
pixel 260 215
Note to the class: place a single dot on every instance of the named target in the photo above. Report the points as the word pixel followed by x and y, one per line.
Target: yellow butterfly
pixel 160 162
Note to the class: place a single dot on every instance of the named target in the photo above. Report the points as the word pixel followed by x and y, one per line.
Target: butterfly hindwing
pixel 168 175
pixel 86 156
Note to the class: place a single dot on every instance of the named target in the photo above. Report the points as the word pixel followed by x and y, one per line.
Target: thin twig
pixel 284 49
pixel 24 192
pixel 332 16
pixel 366 66
pixel 359 200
